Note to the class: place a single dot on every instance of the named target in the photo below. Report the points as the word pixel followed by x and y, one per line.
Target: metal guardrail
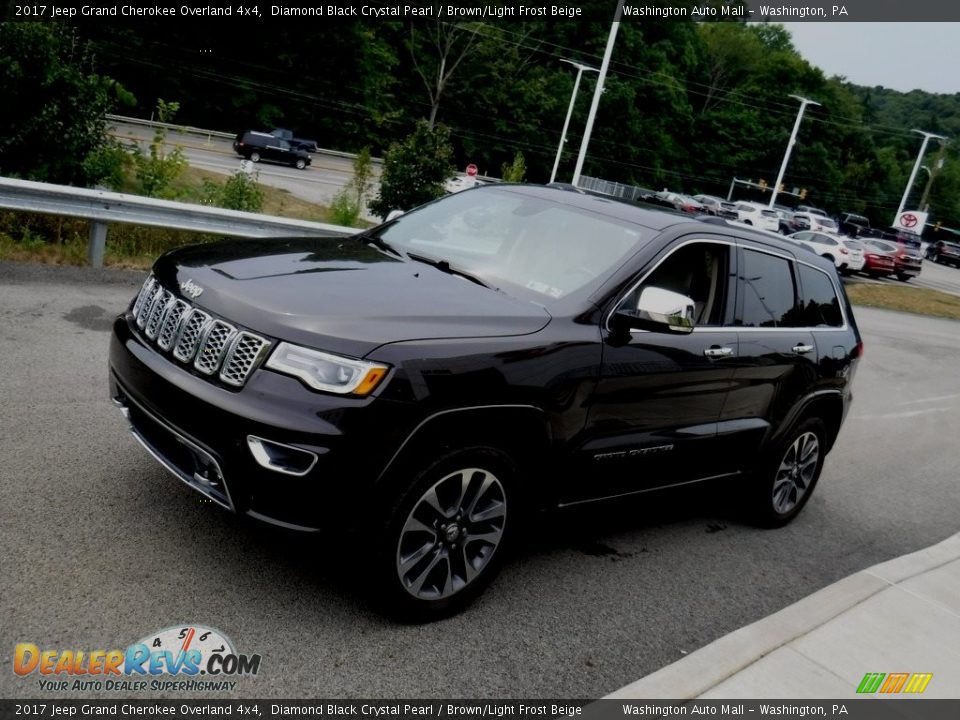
pixel 102 207
pixel 209 134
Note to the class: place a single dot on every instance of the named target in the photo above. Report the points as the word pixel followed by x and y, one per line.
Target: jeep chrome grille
pixel 171 323
pixel 192 328
pixel 215 340
pixel 247 350
pixel 195 336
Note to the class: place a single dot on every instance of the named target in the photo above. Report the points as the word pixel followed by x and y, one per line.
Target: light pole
pixel 598 91
pixel 913 174
pixel 566 123
pixel 793 139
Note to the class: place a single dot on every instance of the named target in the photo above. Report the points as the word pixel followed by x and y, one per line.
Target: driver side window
pixel 700 271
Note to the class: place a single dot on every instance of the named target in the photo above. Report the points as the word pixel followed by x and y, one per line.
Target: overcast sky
pixel 902 56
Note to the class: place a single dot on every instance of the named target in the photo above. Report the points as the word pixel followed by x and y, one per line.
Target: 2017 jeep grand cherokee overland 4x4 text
pixel 509 348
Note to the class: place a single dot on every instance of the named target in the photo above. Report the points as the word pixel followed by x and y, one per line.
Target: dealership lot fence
pixel 102 207
pixel 613 189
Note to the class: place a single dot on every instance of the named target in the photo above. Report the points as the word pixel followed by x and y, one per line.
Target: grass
pixel 904 298
pixel 58 240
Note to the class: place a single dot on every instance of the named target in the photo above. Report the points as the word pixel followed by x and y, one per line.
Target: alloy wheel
pixel 451 534
pixel 796 473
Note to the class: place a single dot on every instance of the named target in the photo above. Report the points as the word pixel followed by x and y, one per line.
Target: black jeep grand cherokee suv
pixel 505 349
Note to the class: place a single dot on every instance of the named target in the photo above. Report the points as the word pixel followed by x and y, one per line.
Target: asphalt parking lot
pixel 102 546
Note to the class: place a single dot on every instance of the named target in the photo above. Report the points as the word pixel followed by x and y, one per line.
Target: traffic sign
pixel 471 170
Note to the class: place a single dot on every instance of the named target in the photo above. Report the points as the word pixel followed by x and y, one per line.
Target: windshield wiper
pixel 444 266
pixel 379 242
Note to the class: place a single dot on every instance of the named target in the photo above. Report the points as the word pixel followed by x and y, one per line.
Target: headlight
pixel 330 373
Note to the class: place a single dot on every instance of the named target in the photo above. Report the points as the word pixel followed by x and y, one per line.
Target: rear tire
pixel 444 536
pixel 255 157
pixel 787 475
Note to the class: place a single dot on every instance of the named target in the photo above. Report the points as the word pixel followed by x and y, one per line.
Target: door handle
pixel 715 351
pixel 802 349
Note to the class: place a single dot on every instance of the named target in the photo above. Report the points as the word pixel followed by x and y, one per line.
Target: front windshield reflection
pixel 506 237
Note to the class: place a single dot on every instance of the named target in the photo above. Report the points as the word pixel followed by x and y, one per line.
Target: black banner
pixel 500 10
pixel 867 709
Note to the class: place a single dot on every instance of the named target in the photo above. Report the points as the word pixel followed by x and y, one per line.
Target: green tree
pixel 54 106
pixel 415 170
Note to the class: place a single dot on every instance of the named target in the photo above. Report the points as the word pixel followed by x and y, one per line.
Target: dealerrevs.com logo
pixel 187 657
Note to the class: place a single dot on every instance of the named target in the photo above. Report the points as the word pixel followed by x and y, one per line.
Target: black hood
pixel 340 294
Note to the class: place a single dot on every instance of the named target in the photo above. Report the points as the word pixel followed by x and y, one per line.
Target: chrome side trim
pixel 263 459
pixel 574 503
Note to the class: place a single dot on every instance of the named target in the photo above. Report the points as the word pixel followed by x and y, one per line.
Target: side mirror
pixel 393 215
pixel 659 310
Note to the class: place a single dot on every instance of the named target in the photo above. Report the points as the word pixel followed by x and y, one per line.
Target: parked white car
pixel 819 223
pixel 846 254
pixel 758 216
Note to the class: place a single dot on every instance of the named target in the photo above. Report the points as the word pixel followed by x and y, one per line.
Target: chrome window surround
pixel 732 328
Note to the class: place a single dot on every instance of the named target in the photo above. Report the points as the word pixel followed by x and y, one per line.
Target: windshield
pixel 506 237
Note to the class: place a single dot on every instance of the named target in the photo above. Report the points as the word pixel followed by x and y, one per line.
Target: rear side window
pixel 768 291
pixel 821 306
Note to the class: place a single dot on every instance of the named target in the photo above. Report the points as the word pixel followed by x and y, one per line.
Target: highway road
pixel 317 183
pixel 101 546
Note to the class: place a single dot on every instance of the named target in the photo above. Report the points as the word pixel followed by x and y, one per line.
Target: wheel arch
pixel 522 432
pixel 827 405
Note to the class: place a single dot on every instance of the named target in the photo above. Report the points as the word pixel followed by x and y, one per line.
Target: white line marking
pixel 907 414
pixel 930 399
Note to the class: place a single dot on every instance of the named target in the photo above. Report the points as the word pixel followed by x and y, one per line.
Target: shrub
pixel 156 171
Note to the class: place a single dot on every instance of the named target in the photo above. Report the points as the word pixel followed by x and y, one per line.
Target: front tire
pixel 300 164
pixel 255 157
pixel 446 534
pixel 787 477
pixel 902 277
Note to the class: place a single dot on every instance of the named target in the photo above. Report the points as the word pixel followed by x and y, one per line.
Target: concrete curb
pixel 709 666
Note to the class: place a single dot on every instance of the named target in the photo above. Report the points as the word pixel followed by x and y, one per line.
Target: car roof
pixel 649 216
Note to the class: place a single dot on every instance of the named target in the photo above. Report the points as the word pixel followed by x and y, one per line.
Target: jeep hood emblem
pixel 190 288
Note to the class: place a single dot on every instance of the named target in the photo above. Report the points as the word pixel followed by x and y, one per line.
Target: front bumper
pixel 199 431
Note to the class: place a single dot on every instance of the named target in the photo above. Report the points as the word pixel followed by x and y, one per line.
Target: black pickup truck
pixel 295 142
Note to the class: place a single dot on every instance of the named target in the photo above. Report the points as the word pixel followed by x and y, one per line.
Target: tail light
pixel 844 252
pixel 858 352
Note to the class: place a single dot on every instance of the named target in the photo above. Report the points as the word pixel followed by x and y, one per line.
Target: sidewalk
pixel 901 616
